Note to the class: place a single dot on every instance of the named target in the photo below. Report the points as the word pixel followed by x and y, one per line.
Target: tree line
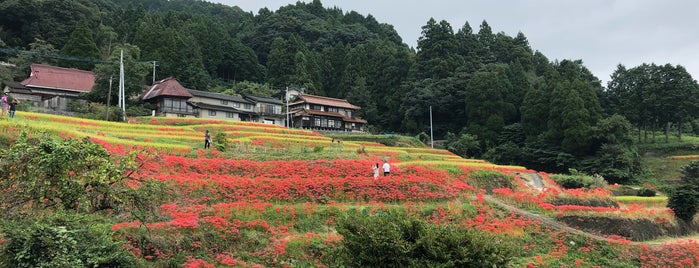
pixel 491 95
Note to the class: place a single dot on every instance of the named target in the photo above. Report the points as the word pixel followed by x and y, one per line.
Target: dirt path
pixel 545 220
pixel 535 181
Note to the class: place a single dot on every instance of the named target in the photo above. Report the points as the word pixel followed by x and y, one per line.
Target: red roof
pixel 326 101
pixel 52 77
pixel 166 87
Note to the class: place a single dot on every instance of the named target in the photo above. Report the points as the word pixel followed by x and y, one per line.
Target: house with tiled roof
pixel 267 110
pixel 169 98
pixel 222 106
pixel 53 87
pixel 324 113
pixel 22 93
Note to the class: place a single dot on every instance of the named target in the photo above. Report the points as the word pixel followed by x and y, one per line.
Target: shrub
pixel 220 141
pixel 568 182
pixel 589 202
pixel 318 149
pixel 577 179
pixel 49 172
pixel 684 203
pixel 390 238
pixel 489 180
pixel 685 198
pixel 645 192
pixel 62 240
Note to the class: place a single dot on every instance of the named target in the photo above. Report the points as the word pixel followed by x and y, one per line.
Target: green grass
pixel 648 200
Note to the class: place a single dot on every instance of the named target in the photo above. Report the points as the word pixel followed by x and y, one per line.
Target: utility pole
pixel 122 93
pixel 154 72
pixel 109 96
pixel 431 136
pixel 286 96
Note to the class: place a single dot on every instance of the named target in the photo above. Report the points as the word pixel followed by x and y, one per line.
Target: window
pixel 273 109
pixel 229 115
pixel 212 113
pixel 316 107
pixel 332 109
pixel 236 104
pixel 176 105
pixel 317 124
pixel 247 106
pixel 224 102
pixel 331 123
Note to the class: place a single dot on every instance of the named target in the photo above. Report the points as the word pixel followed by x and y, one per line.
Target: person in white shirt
pixel 386 168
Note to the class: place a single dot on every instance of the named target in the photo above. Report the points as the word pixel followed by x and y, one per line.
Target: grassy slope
pixel 259 142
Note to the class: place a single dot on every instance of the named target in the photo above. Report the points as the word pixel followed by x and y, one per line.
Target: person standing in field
pixel 207 139
pixel 13 107
pixel 386 168
pixel 4 104
pixel 375 167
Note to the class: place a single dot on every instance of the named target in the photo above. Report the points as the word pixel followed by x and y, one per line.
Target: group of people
pixel 386 169
pixel 386 166
pixel 6 104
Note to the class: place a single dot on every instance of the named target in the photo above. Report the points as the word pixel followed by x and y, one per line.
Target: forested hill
pixel 491 94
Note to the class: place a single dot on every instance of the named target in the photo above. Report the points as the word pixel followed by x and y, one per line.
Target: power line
pixel 62 57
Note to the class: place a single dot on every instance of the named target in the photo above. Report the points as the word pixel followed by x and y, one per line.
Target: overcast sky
pixel 603 33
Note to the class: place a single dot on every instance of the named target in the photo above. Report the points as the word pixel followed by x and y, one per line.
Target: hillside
pixel 266 196
pixel 492 96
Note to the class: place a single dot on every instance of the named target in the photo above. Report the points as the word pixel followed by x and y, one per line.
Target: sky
pixel 601 33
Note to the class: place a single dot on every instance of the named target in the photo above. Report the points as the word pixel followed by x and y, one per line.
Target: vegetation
pixel 391 238
pixel 183 206
pixel 494 96
pixel 684 200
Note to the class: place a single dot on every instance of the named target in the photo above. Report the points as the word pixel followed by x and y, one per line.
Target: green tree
pixel 43 172
pixel 465 145
pixel 38 49
pixel 487 109
pixel 437 51
pixel 134 75
pixel 684 200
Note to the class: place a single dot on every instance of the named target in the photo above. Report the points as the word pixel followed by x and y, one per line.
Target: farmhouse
pixel 171 99
pixel 49 88
pixel 267 110
pixel 323 113
pixel 222 106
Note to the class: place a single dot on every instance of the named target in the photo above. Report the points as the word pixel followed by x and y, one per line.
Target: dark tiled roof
pixel 16 87
pixel 166 87
pixel 303 111
pixel 326 101
pixel 316 112
pixel 52 77
pixel 13 84
pixel 263 99
pixel 219 108
pixel 218 96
